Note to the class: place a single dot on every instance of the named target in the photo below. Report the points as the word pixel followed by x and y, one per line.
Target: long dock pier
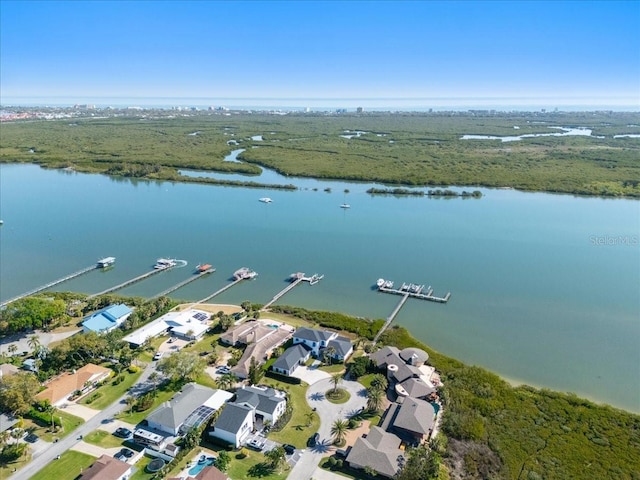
pixel 390 318
pixel 415 291
pixel 242 274
pixel 185 282
pixel 49 285
pixel 296 279
pixel 128 282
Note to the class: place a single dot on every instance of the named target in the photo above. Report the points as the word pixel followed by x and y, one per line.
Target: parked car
pixel 257 443
pixel 157 356
pixel 122 432
pixel 31 438
pixel 223 369
pixel 172 339
pixel 288 448
pixel 313 440
pixel 127 453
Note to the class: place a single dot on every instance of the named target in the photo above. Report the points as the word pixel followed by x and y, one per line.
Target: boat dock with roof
pixel 412 290
pixel 295 279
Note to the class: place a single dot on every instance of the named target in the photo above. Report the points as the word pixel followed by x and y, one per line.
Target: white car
pixel 257 443
pixel 157 356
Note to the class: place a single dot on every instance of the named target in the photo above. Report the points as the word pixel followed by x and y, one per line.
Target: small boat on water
pixel 388 284
pixel 266 200
pixel 244 273
pixel 106 262
pixel 380 282
pixel 163 263
pixel 203 267
pixel 345 205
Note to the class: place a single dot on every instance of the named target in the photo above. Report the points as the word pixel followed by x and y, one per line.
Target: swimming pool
pixel 196 470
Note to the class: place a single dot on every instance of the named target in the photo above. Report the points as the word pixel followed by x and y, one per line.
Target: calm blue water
pixel 196 470
pixel 545 288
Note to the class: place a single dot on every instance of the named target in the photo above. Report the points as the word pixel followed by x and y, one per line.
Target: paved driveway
pixel 310 375
pixel 328 413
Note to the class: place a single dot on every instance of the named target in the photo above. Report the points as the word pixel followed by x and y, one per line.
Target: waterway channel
pixel 545 288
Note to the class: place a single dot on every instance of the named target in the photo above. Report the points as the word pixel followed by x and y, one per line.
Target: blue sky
pixel 575 52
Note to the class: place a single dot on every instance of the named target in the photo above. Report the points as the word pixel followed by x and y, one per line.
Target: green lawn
pixel 240 469
pixel 339 396
pixel 147 356
pixel 141 474
pixel 136 417
pixel 69 466
pixel 296 432
pixel 336 368
pixel 103 439
pixel 110 393
pixel 7 469
pixel 43 429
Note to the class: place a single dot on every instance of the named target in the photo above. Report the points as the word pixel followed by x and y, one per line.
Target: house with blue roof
pixel 107 319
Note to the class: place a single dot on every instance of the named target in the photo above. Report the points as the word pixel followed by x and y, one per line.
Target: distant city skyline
pixel 381 54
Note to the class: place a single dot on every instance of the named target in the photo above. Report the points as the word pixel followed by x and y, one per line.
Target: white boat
pixel 163 263
pixel 345 205
pixel 380 282
pixel 244 273
pixel 266 200
pixel 388 284
pixel 106 262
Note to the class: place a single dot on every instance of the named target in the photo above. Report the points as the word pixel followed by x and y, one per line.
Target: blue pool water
pixel 436 407
pixel 195 470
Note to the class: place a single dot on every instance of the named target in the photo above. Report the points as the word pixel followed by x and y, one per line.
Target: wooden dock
pixel 49 285
pixel 237 280
pixel 416 291
pixel 390 318
pixel 129 282
pixel 296 279
pixel 192 278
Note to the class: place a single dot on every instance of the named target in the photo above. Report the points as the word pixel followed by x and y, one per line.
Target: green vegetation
pixel 31 313
pixel 254 465
pixel 103 439
pixel 141 465
pixel 40 423
pixel 111 391
pixel 398 149
pixel 68 467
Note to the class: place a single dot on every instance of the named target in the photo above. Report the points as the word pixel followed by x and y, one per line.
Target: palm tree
pixel 328 353
pixel 374 399
pixel 310 416
pixel 336 379
pixel 13 348
pixel 34 342
pixel 379 382
pixel 276 456
pixel 51 410
pixel 339 431
pixel 227 381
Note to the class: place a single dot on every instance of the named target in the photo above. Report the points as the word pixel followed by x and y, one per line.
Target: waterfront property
pixel 107 319
pixel 59 389
pixel 338 347
pixel 411 419
pixel 291 359
pixel 379 450
pixel 189 325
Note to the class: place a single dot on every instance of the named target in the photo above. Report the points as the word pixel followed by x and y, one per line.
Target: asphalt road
pixel 43 458
pixel 328 413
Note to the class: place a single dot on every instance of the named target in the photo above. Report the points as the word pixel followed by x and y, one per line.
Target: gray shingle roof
pixel 262 400
pixel 414 415
pixel 380 451
pixel 417 388
pixel 291 357
pixel 312 334
pixel 173 413
pixel 232 417
pixel 414 356
pixel 385 356
pixel 341 344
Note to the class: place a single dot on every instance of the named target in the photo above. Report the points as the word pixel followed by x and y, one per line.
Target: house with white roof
pixel 107 319
pixel 190 324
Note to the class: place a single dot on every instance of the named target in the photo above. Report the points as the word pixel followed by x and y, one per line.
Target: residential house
pixel 211 473
pixel 411 419
pixel 318 340
pixel 82 380
pixel 398 370
pixel 188 324
pixel 106 319
pixel 189 408
pixel 378 450
pixel 107 468
pixel 234 424
pixel 291 359
pixel 267 403
pixel 6 422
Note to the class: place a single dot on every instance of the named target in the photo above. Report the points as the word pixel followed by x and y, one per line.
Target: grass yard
pixel 338 396
pixel 6 470
pixel 296 431
pixel 335 368
pixel 43 428
pixel 136 417
pixel 69 466
pixel 103 439
pixel 141 474
pixel 110 392
pixel 250 466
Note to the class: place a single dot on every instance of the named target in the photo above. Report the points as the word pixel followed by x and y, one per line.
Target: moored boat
pixel 380 282
pixel 266 200
pixel 106 262
pixel 163 263
pixel 203 267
